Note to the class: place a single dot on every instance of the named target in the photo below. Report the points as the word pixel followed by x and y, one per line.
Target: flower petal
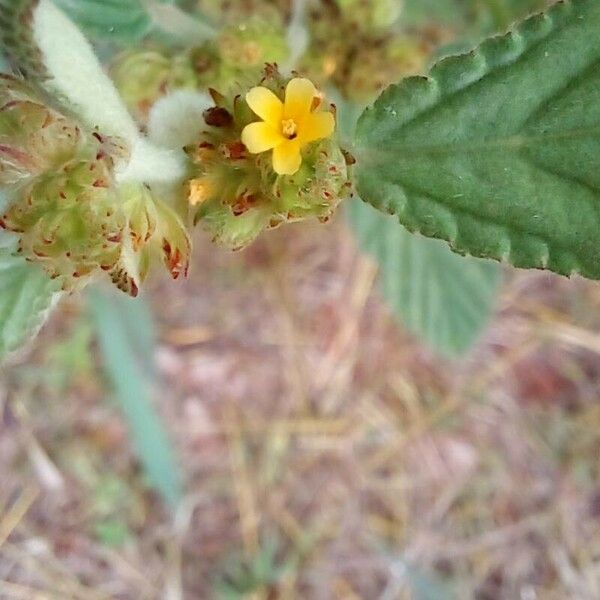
pixel 265 104
pixel 317 126
pixel 260 137
pixel 287 158
pixel 299 96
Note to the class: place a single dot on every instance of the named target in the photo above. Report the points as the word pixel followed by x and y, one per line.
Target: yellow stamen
pixel 289 128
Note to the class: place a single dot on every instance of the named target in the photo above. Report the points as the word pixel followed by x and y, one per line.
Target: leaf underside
pixel 126 338
pixel 26 296
pixel 118 20
pixel 444 298
pixel 498 151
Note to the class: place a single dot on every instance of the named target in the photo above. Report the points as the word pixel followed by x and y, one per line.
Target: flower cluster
pixel 368 51
pixel 266 157
pixel 238 53
pixel 142 76
pixel 65 204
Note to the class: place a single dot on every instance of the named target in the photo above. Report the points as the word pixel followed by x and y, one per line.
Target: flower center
pixel 289 129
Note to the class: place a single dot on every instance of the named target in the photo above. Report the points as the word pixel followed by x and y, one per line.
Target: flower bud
pixel 370 16
pixel 380 64
pixel 143 76
pixel 33 137
pixel 238 55
pixel 67 222
pixel 153 231
pixel 364 58
pixel 252 43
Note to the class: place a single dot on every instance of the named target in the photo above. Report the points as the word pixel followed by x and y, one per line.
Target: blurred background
pixel 341 411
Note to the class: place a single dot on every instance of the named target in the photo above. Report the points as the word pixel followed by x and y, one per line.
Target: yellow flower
pixel 286 127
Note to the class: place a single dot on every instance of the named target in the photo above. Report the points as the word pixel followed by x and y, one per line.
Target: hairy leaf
pixel 444 298
pixel 498 150
pixel 176 119
pixel 26 296
pixel 45 45
pixel 125 333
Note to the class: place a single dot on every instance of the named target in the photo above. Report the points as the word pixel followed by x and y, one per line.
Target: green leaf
pixel 422 12
pixel 503 12
pixel 498 151
pixel 119 20
pixel 128 21
pixel 474 16
pixel 26 296
pixel 444 298
pixel 181 26
pixel 125 333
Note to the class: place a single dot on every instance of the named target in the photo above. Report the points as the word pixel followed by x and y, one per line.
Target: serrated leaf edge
pixel 441 84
